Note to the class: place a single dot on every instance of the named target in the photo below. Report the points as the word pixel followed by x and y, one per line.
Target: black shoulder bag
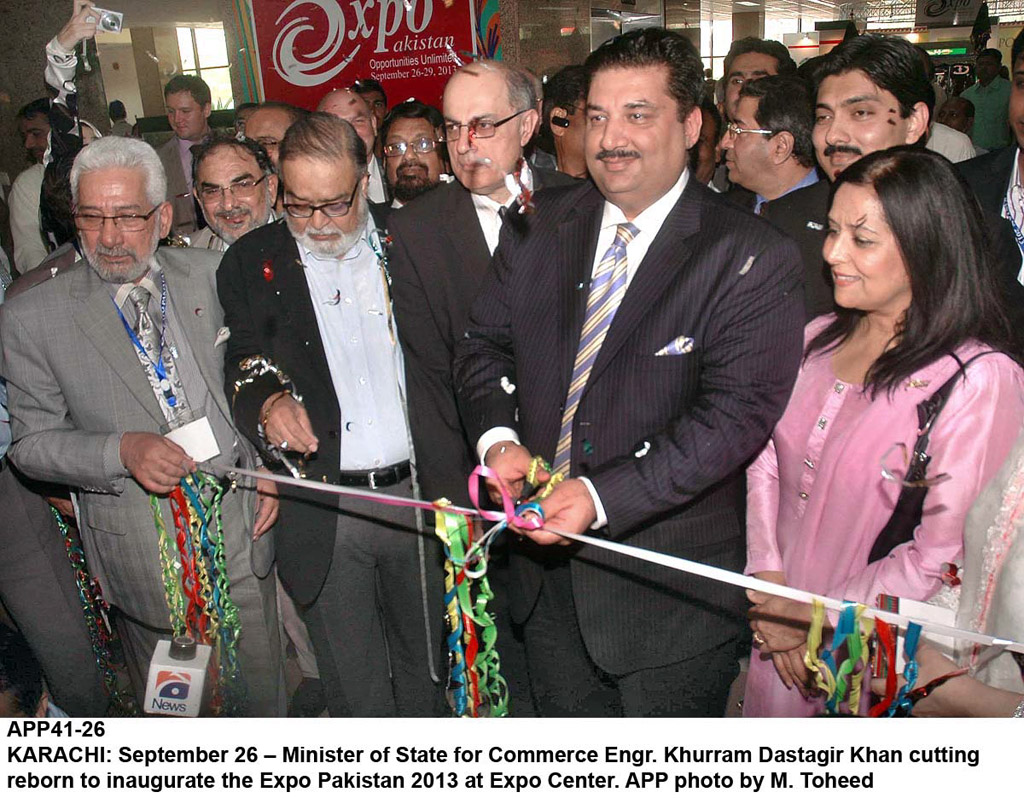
pixel 906 516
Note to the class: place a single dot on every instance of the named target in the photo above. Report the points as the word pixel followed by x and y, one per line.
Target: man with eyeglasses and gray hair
pixel 315 370
pixel 235 185
pixel 443 243
pixel 106 363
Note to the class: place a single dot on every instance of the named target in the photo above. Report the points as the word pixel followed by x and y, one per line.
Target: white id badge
pixel 197 439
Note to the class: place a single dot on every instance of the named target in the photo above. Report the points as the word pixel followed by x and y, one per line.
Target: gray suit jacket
pixel 177 188
pixel 76 385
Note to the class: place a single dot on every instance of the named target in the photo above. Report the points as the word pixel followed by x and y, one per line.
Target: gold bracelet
pixel 266 414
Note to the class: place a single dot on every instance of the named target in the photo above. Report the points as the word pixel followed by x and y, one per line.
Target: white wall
pixel 120 79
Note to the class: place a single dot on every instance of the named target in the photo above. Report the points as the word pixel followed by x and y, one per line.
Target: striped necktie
pixel 607 287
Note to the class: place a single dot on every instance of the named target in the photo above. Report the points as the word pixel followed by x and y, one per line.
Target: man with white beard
pixel 316 373
pixel 100 361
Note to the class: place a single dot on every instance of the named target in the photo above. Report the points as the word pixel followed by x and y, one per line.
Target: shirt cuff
pixel 602 518
pixel 56 50
pixel 493 436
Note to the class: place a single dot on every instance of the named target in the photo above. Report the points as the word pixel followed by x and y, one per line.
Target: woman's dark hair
pixel 940 232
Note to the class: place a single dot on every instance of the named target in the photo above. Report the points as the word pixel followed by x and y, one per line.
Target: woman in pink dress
pixel 915 289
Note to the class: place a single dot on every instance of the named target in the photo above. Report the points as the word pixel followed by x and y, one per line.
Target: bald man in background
pixel 346 104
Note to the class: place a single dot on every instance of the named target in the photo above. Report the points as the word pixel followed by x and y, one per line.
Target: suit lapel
pixel 577 242
pixel 667 256
pixel 186 295
pixel 97 317
pixel 466 242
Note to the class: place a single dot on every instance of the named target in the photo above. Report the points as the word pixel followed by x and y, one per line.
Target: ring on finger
pixel 758 639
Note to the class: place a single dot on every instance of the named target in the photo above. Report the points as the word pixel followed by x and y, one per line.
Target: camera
pixel 109 21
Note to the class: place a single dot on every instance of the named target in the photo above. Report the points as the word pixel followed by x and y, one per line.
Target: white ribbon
pixel 666 560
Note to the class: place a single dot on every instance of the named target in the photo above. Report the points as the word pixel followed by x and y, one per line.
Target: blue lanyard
pixel 1016 230
pixel 158 364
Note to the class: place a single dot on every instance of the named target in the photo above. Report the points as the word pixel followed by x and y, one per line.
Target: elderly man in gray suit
pixel 100 362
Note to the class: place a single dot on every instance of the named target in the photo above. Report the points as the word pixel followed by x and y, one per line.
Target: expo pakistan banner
pixel 307 47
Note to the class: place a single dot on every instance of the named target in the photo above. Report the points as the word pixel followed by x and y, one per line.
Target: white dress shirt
pixel 353 312
pixel 648 223
pixel 1013 206
pixel 376 187
pixel 952 144
pixel 487 210
pixel 29 246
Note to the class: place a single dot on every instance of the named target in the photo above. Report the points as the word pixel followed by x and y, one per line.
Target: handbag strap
pixel 927 413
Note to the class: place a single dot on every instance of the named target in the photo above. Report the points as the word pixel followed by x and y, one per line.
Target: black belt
pixel 381 478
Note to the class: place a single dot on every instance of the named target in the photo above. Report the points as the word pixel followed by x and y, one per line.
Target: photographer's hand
pixel 82 25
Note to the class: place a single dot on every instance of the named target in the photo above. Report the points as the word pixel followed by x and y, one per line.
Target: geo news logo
pixel 173 684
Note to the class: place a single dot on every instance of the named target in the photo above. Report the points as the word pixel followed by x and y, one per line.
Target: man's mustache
pixel 604 155
pixel 832 149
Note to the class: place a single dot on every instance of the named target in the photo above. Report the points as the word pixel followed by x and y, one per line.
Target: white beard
pixel 335 247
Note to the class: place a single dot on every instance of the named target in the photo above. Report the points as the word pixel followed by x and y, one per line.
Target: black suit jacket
pixel 803 216
pixel 664 439
pixel 438 261
pixel 268 309
pixel 989 176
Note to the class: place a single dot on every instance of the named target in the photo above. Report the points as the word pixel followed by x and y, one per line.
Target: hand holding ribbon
pixel 569 508
pixel 781 622
pixel 510 464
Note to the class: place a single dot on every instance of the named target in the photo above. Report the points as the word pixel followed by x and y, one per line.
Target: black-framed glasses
pixel 238 188
pixel 479 128
pixel 735 130
pixel 420 146
pixel 335 209
pixel 125 222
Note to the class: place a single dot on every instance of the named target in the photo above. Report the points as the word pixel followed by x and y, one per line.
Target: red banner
pixel 308 47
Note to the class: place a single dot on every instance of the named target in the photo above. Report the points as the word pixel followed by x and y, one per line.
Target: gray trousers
pixel 259 644
pixel 37 586
pixel 367 624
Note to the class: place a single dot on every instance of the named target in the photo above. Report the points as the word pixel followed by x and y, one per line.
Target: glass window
pixel 204 52
pixel 185 49
pixel 212 48
pixel 219 81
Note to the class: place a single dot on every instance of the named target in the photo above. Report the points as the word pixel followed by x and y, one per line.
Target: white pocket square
pixel 222 335
pixel 679 346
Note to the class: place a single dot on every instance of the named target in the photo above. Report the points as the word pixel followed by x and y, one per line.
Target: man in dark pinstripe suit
pixel 643 335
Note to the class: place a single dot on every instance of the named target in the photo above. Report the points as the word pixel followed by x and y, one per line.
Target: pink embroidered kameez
pixel 816 499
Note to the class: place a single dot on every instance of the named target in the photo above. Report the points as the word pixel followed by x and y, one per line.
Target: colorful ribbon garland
pixel 196 586
pixel 94 610
pixel 475 684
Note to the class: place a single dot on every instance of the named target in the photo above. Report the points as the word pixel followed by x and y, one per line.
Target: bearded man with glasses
pixel 315 371
pixel 104 358
pixel 235 185
pixel 415 156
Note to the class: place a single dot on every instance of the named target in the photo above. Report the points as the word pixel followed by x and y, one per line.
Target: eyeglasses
pixel 420 146
pixel 735 130
pixel 479 128
pixel 336 209
pixel 125 222
pixel 238 188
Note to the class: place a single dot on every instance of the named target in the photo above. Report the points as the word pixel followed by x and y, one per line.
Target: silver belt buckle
pixel 372 479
